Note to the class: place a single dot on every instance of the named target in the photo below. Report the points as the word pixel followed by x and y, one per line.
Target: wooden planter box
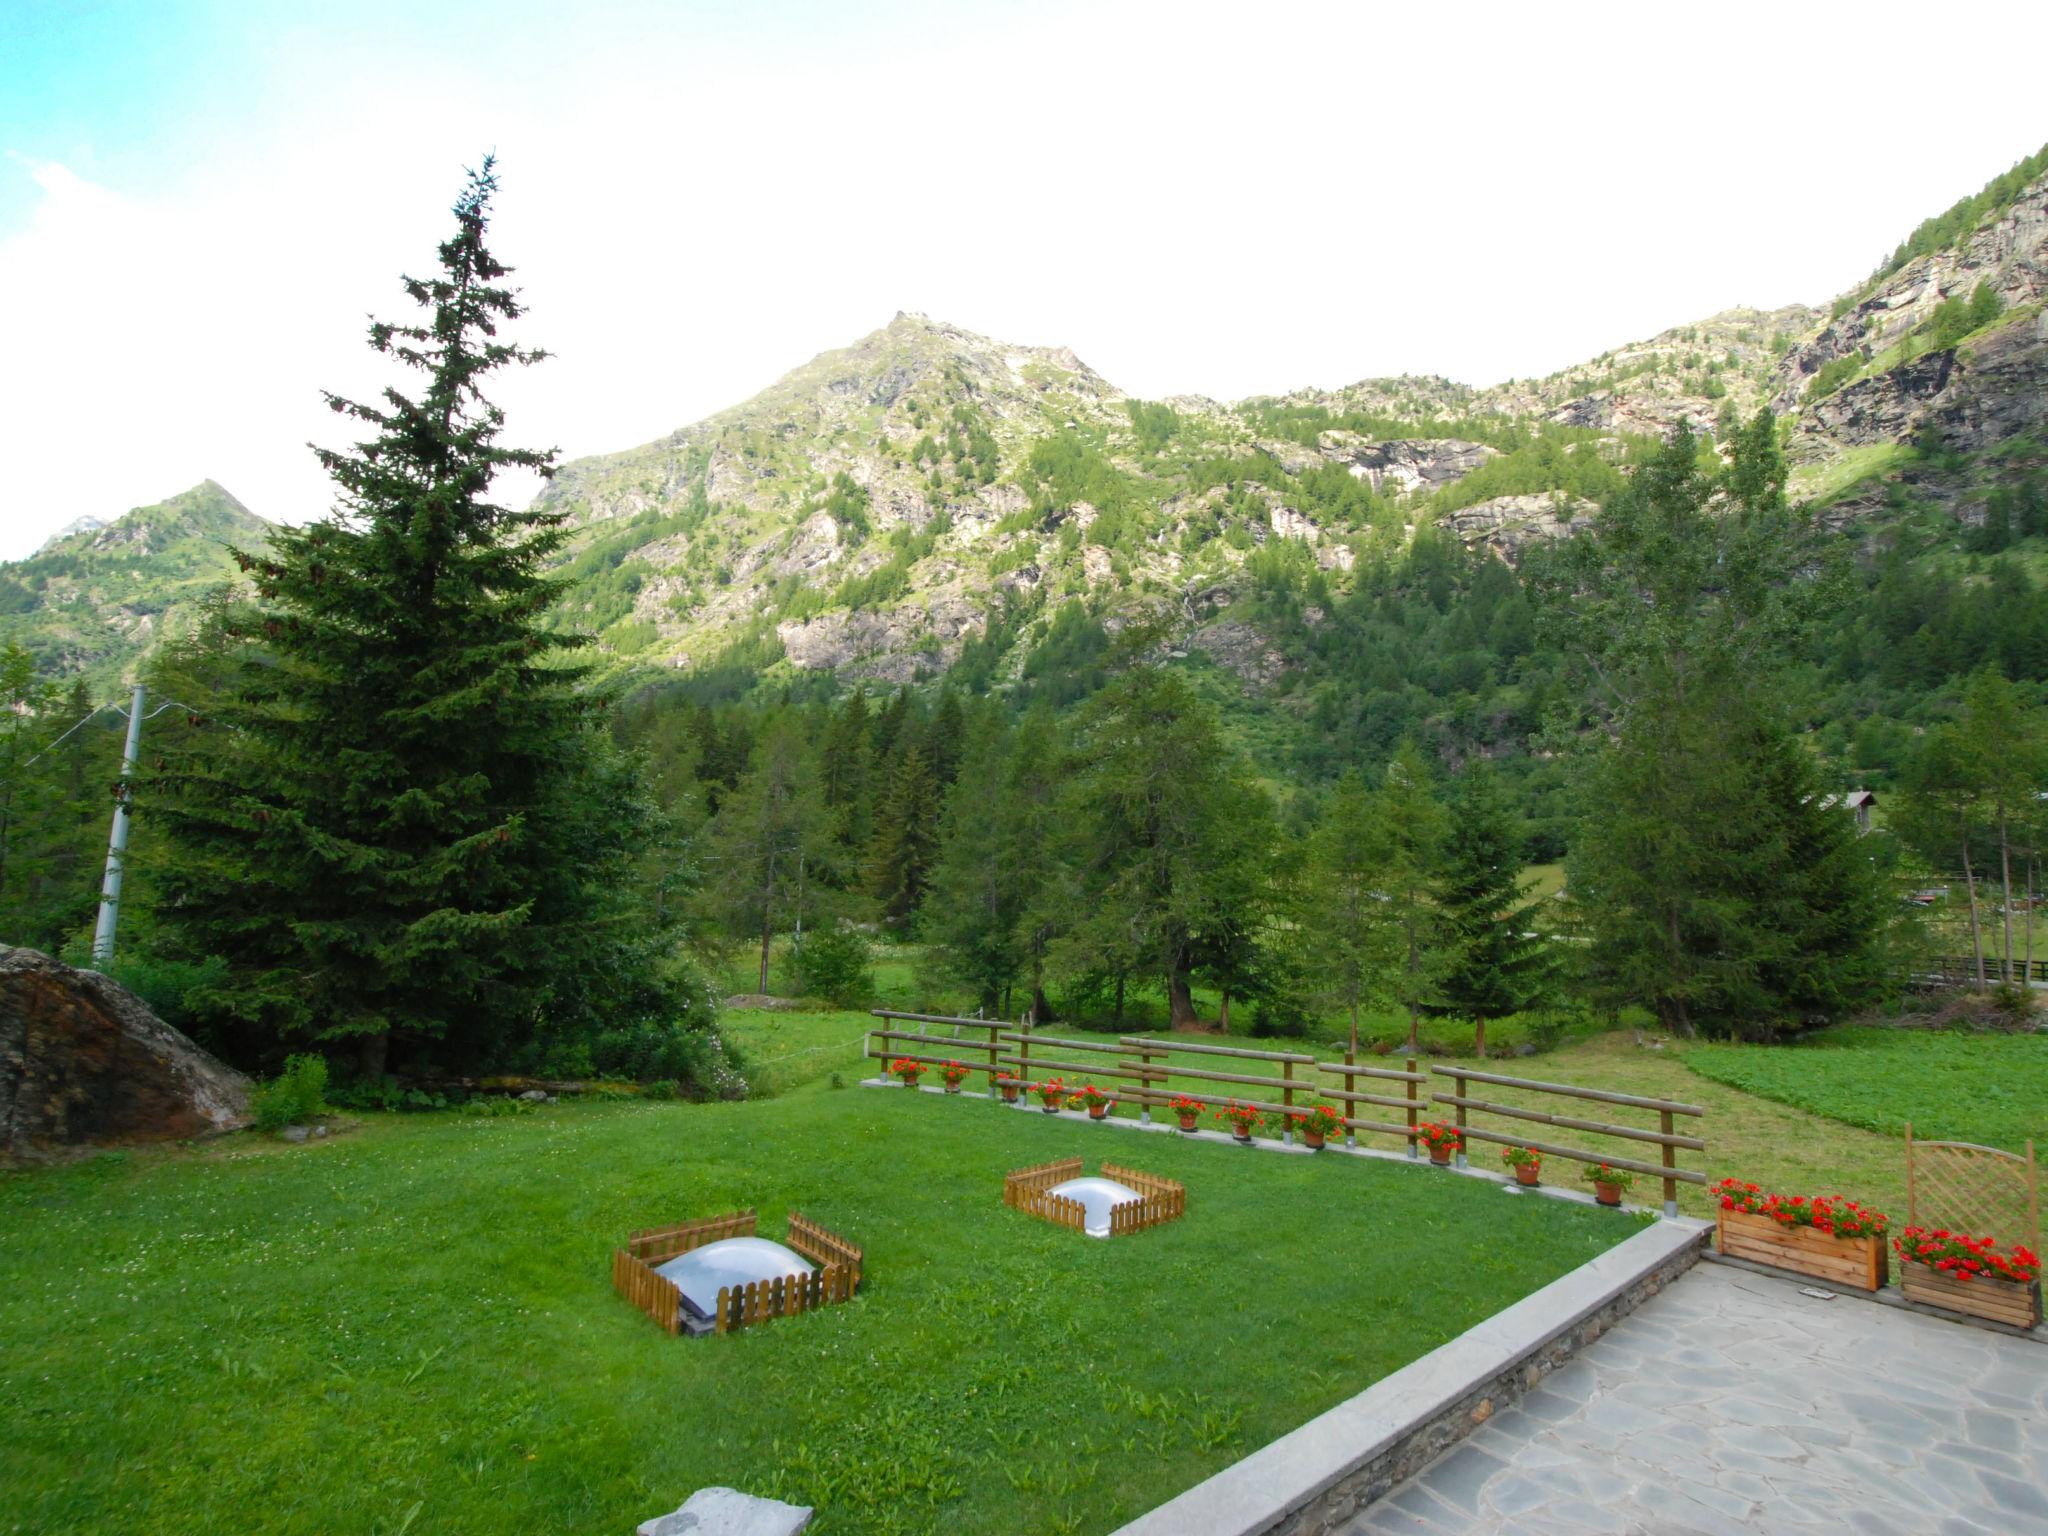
pixel 1994 1300
pixel 1861 1263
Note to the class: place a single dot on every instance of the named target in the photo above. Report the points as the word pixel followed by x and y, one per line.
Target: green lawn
pixel 1990 1089
pixel 411 1327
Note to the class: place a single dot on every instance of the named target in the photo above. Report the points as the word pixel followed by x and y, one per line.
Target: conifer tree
pixel 1346 947
pixel 906 837
pixel 973 918
pixel 1491 966
pixel 1413 824
pixel 771 848
pixel 402 822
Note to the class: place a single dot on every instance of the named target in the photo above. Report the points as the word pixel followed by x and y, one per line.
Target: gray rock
pixel 319 1131
pixel 728 1512
pixel 297 1132
pixel 535 1096
pixel 83 1061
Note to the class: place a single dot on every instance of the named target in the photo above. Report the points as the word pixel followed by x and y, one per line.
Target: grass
pixel 411 1328
pixel 1990 1089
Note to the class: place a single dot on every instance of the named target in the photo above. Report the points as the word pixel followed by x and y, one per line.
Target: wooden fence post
pixel 1287 1101
pixel 1670 1162
pixel 1350 1105
pixel 1458 1080
pixel 1145 1084
pixel 1413 1151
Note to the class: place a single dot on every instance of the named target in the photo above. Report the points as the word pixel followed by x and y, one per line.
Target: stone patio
pixel 1732 1402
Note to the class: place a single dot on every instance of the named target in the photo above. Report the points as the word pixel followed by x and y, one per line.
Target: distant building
pixel 1858 800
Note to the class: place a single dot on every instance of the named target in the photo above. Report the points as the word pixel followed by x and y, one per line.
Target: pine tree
pixel 403 822
pixel 1346 946
pixel 1155 827
pixel 973 916
pixel 905 839
pixel 1491 965
pixel 1414 827
pixel 771 849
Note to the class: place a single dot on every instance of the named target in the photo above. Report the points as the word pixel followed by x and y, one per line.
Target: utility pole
pixel 117 838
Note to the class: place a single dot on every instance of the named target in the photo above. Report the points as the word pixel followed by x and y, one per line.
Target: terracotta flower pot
pixel 1097 1111
pixel 1527 1174
pixel 952 1087
pixel 1314 1140
pixel 1187 1122
pixel 1244 1135
pixel 1607 1194
pixel 1009 1092
pixel 1050 1109
pixel 1439 1154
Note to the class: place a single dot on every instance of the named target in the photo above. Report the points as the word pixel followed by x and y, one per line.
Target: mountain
pixel 99 595
pixel 889 505
pixel 929 495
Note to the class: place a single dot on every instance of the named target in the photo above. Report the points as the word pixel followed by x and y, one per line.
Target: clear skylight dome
pixel 1096 1196
pixel 735 1261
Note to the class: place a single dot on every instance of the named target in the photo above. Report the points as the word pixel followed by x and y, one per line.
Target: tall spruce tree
pixel 402 824
pixel 1715 885
pixel 1490 964
pixel 1346 947
pixel 905 840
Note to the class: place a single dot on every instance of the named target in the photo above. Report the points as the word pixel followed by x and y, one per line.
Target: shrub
pixel 833 965
pixel 294 1096
pixel 1272 1016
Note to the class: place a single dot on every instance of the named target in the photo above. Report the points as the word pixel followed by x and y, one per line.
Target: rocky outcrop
pixel 892 646
pixel 1241 649
pixel 1408 463
pixel 84 1062
pixel 1510 525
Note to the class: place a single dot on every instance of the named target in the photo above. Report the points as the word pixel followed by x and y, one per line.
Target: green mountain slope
pixel 95 601
pixel 929 494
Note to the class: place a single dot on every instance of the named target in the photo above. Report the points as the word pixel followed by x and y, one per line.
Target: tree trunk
pixel 1414 1029
pixel 2027 974
pixel 1976 931
pixel 1180 1001
pixel 1223 1018
pixel 767 937
pixel 1118 1012
pixel 1041 1010
pixel 375 1051
pixel 2005 887
pixel 1479 1038
pixel 1354 1025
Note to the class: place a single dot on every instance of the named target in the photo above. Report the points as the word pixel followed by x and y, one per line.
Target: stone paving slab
pixel 1733 1403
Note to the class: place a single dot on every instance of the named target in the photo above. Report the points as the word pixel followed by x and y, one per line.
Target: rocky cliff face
pixel 1989 387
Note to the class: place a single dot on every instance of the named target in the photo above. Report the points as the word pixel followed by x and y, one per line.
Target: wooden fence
pixel 1150 1072
pixel 836 1278
pixel 1664 1138
pixel 653 1294
pixel 1030 1190
pixel 1159 1200
pixel 991 1047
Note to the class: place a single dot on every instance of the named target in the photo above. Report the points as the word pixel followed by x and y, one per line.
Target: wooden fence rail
pixel 1665 1138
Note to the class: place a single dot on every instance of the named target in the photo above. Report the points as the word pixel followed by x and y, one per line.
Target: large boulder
pixel 83 1061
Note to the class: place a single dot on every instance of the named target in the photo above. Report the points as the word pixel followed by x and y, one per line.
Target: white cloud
pixel 1214 200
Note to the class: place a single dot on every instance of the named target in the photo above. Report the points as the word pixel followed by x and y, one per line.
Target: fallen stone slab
pixel 728 1512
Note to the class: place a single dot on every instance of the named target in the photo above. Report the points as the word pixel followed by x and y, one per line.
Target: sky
pixel 202 203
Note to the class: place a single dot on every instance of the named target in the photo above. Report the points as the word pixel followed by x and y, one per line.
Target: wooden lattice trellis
pixel 1981 1191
